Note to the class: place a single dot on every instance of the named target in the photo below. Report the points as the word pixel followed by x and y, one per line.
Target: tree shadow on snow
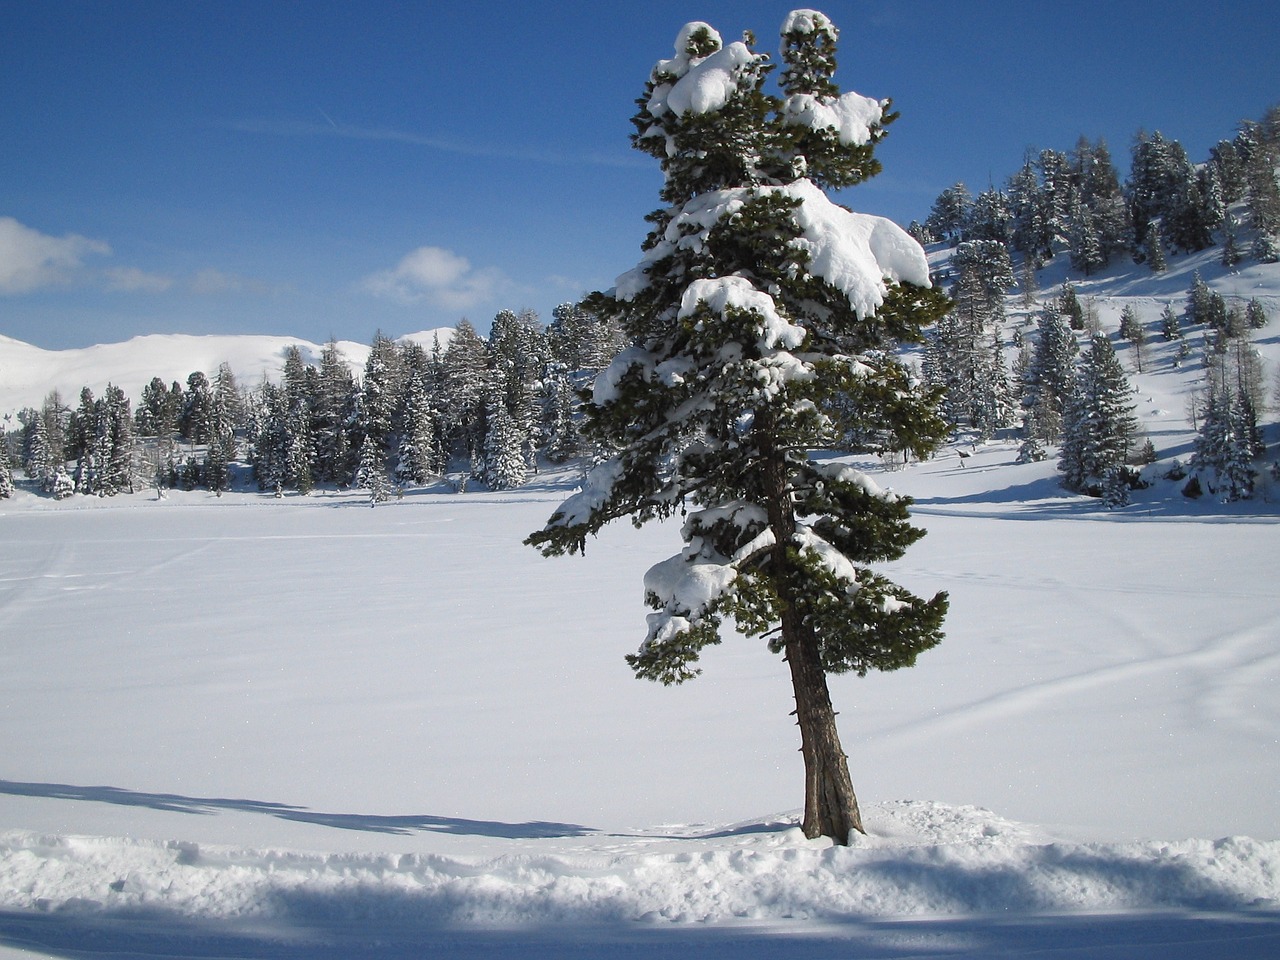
pixel 360 930
pixel 370 823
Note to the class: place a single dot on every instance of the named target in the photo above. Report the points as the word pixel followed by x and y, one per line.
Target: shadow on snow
pixel 371 823
pixel 327 928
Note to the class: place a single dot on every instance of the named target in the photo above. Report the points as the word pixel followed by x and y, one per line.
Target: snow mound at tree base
pixel 921 859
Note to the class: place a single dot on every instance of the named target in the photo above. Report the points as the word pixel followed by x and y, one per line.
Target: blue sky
pixel 318 169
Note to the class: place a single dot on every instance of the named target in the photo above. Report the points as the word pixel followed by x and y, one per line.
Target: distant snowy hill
pixel 28 373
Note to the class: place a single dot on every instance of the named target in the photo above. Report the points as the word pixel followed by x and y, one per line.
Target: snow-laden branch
pixel 851 116
pixel 856 253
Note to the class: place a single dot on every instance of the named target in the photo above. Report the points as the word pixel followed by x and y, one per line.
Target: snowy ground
pixel 248 727
pixel 244 727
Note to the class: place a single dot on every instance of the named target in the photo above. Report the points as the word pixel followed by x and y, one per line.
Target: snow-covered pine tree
pixel 1170 326
pixel 1222 448
pixel 39 463
pixel 113 443
pixel 1083 243
pixel 270 441
pixel 949 218
pixel 1133 330
pixel 1030 230
pixel 990 217
pixel 419 457
pixel 1262 157
pixel 466 384
pixel 1153 248
pixel 380 394
pixel 332 412
pixel 6 471
pixel 1050 377
pixel 1069 307
pixel 758 303
pixel 371 474
pixel 1255 314
pixel 224 417
pixel 1057 196
pixel 63 486
pixel 518 356
pixel 561 441
pixel 966 358
pixel 1099 427
pixel 193 423
pixel 1232 253
pixel 1101 195
pixel 505 467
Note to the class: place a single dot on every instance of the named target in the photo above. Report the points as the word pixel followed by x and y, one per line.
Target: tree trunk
pixel 830 805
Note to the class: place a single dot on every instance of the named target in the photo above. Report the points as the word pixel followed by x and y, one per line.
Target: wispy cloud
pixel 438 276
pixel 330 128
pixel 31 260
pixel 133 280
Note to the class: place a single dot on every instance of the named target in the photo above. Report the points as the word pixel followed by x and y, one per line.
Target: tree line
pixel 1056 394
pixel 1074 202
pixel 477 408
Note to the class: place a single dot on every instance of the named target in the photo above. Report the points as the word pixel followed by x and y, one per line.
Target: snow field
pixel 442 716
pixel 243 726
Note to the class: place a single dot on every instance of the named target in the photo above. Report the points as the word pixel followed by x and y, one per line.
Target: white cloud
pixel 30 260
pixel 133 280
pixel 438 276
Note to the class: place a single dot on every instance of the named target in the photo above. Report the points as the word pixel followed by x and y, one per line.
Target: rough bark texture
pixel 830 805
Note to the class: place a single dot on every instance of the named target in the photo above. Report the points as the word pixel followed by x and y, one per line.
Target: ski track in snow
pixel 1223 657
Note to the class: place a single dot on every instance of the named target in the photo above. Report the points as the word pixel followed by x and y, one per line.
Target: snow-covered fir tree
pixel 758 303
pixel 1031 234
pixel 379 396
pixel 371 474
pixel 1261 154
pixel 6 470
pixel 1057 197
pixel 332 417
pixel 1050 377
pixel 990 217
pixel 965 358
pixel 949 218
pixel 38 457
pixel 561 439
pixel 1133 330
pixel 1084 245
pixel 419 457
pixel 1153 248
pixel 197 399
pixel 1069 306
pixel 518 357
pixel 505 466
pixel 465 387
pixel 63 486
pixel 1101 195
pixel 1228 439
pixel 1099 427
pixel 220 428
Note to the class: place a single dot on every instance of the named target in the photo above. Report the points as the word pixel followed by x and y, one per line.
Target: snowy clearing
pixel 250 727
pixel 243 726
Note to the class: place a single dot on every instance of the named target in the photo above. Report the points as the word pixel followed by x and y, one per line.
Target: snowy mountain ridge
pixel 28 373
